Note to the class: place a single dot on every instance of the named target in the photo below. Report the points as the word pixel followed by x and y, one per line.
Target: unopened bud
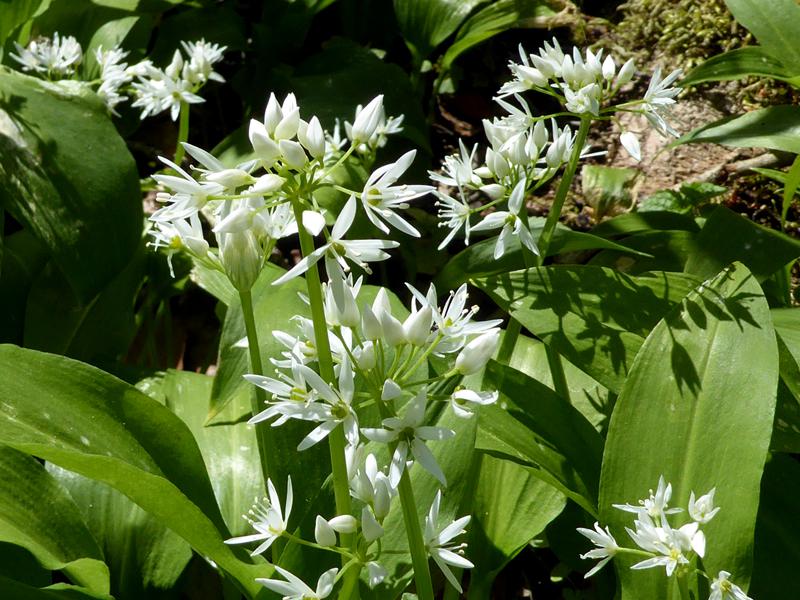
pixel 474 356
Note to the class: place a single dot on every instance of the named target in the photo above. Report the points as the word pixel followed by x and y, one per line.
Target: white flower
pixel 630 142
pixel 658 98
pixel 375 573
pixel 113 75
pixel 656 506
pixel 58 56
pixel 474 356
pixel 410 434
pixel 606 546
pixel 723 589
pixel 510 221
pixel 361 252
pixel 202 56
pixel 454 214
pixel 464 401
pixel 325 531
pixel 457 171
pixel 295 589
pixel 381 198
pixel 437 539
pixel 366 121
pixel 267 519
pixel 702 509
pixel 312 137
pixel 373 488
pixel 292 389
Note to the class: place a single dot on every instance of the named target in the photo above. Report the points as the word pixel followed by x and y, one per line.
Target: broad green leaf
pixel 87 421
pixel 774 23
pixel 727 237
pixel 668 251
pixel 39 515
pixel 570 446
pixel 499 17
pixel 736 64
pixel 24 257
pixel 640 222
pixel 690 197
pixel 478 259
pixel 607 188
pixel 774 127
pixel 67 176
pixel 96 331
pixel 587 313
pixel 585 394
pixel 14 13
pixel 777 547
pixel 229 448
pixel 510 507
pixel 427 23
pixel 19 564
pixel 144 557
pixel 697 408
pixel 215 283
pixel 15 590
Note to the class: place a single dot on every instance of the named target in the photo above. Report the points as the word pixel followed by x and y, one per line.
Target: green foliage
pixel 701 418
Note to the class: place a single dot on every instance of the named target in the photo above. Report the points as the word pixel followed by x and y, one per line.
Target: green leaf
pixel 736 64
pixel 143 556
pixel 639 222
pixel 774 24
pixel 774 127
pixel 39 515
pixel 427 23
pixel 607 188
pixel 690 196
pixel 67 176
pixel 24 257
pixel 669 251
pixel 87 421
pixel 510 507
pixel 554 423
pixel 14 590
pixel 727 237
pixel 230 449
pixel 14 13
pixel 96 331
pixel 499 17
pixel 585 313
pixel 777 548
pixel 477 260
pixel 697 408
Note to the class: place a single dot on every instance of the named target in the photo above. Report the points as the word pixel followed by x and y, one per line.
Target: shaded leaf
pixel 736 64
pixel 774 24
pixel 701 418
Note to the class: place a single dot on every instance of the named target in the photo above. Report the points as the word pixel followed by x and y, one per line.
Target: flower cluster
pixel 664 546
pixel 155 90
pixel 526 151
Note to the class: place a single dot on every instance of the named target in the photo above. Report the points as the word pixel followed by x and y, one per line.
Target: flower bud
pixel 266 184
pixel 366 356
pixel 609 68
pixel 370 324
pixel 370 527
pixel 231 178
pixel 344 524
pixel 287 127
pixel 474 356
pixel 312 137
pixel 324 533
pixel 272 114
pixel 241 257
pixel 367 120
pixel 293 154
pixel 630 142
pixel 417 327
pixel 626 73
pixel 265 147
pixel 540 136
pixel 313 222
pixel 493 190
pixel 390 390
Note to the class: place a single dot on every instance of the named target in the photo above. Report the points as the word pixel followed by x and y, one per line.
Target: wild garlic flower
pixel 56 58
pixel 370 128
pixel 656 506
pixel 372 486
pixel 464 401
pixel 723 589
pixel 606 547
pixel 295 588
pixel 114 75
pixel 410 433
pixel 513 225
pixel 268 519
pixel 437 543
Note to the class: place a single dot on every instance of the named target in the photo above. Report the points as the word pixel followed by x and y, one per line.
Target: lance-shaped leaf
pixel 697 408
pixel 595 317
pixel 87 421
pixel 39 515
pixel 774 23
pixel 738 63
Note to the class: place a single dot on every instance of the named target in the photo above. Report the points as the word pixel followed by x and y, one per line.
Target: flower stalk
pixel 183 132
pixel 416 543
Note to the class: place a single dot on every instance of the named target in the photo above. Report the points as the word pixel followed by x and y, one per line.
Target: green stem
pixel 259 398
pixel 509 341
pixel 183 133
pixel 683 587
pixel 336 440
pixel 419 555
pixel 563 188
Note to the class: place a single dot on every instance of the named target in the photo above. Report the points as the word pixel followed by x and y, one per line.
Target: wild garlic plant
pixel 353 355
pixel 153 90
pixel 661 545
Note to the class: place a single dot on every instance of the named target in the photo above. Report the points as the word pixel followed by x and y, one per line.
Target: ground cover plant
pixel 299 307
